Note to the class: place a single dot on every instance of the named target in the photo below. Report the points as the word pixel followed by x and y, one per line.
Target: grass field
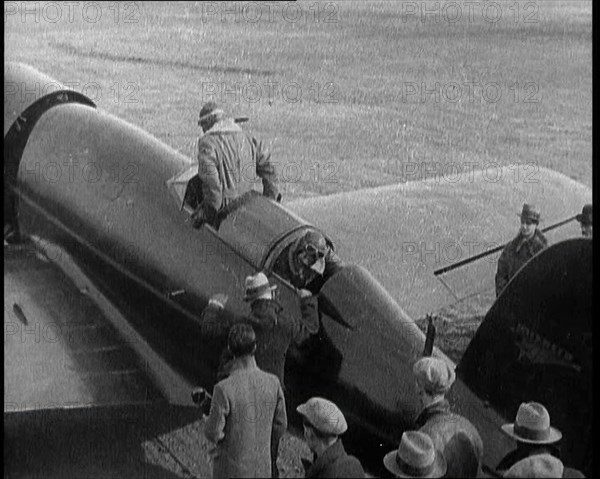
pixel 348 95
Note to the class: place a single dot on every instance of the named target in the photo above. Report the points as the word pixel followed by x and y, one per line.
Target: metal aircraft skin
pixel 111 209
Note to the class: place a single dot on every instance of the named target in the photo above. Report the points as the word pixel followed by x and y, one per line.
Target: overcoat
pixel 455 437
pixel 230 161
pixel 515 254
pixel 247 415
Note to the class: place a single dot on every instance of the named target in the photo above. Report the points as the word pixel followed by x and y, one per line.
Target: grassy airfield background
pixel 340 93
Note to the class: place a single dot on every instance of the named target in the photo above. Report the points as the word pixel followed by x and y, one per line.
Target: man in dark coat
pixel 247 414
pixel 534 437
pixel 521 249
pixel 453 435
pixel 228 160
pixel 323 424
pixel 275 330
pixel 585 219
pixel 309 263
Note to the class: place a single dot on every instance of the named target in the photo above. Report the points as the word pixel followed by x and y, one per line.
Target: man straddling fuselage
pixel 228 159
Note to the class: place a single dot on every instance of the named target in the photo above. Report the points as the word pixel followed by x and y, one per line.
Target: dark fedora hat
pixel 585 218
pixel 530 213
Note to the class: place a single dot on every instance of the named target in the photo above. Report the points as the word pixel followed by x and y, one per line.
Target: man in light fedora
pixel 585 220
pixel 453 435
pixel 540 465
pixel 247 414
pixel 323 423
pixel 416 457
pixel 534 436
pixel 529 242
pixel 275 329
pixel 230 160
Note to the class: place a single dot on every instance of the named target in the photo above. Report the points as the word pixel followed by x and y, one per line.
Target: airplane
pixel 112 198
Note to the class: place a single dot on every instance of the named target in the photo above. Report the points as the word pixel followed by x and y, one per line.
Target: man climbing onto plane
pixel 228 160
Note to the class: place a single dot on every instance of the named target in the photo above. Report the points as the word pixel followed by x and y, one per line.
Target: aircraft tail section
pixel 535 344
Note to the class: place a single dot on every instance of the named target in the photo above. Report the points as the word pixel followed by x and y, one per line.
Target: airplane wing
pixel 60 350
pixel 403 233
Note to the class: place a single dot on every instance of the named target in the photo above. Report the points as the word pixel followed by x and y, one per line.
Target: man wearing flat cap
pixel 323 424
pixel 529 242
pixel 453 435
pixel 537 441
pixel 585 220
pixel 229 162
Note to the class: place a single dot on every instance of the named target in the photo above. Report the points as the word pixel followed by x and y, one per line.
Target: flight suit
pixel 289 267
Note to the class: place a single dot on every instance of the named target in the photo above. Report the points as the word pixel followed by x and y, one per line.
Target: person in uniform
pixel 521 249
pixel 453 435
pixel 310 262
pixel 536 443
pixel 416 457
pixel 323 425
pixel 585 220
pixel 244 448
pixel 228 160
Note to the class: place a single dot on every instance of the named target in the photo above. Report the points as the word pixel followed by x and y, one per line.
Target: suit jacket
pixel 455 437
pixel 247 416
pixel 335 462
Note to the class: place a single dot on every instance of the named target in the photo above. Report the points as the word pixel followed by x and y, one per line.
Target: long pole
pixel 465 261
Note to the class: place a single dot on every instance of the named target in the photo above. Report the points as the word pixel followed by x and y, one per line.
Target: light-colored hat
pixel 530 212
pixel 540 465
pixel 416 457
pixel 435 375
pixel 532 425
pixel 586 216
pixel 257 286
pixel 324 416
